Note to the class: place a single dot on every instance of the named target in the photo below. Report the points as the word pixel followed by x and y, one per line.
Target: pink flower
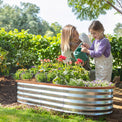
pixel 41 60
pixel 70 62
pixel 62 57
pixel 48 60
pixel 45 60
pixel 60 60
pixel 79 60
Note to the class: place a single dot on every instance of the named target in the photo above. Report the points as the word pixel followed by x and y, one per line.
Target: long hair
pixel 66 37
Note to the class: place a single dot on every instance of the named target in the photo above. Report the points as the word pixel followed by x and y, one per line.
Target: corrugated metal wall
pixel 66 99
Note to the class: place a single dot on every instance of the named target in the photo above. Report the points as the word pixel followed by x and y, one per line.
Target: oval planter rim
pixel 58 85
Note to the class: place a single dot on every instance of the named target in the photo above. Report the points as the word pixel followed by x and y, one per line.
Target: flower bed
pixel 61 73
pixel 64 87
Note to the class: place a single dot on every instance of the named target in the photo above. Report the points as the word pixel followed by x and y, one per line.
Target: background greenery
pixel 26 50
pixel 25 38
pixel 88 9
pixel 26 17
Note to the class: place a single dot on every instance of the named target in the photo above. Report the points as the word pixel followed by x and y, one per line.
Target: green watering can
pixel 78 54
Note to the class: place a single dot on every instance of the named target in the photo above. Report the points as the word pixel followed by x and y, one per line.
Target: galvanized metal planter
pixel 69 99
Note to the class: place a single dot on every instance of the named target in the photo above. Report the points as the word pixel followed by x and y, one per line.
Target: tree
pixel 1 2
pixel 49 34
pixel 10 17
pixel 46 27
pixel 88 9
pixel 23 17
pixel 55 28
pixel 118 29
pixel 26 17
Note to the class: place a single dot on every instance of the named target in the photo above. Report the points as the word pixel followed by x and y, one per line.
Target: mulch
pixel 8 97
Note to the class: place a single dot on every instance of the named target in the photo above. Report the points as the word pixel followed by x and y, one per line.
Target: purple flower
pixel 110 83
pixel 33 66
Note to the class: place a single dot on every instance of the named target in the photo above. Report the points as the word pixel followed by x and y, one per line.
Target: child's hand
pixel 85 50
pixel 86 45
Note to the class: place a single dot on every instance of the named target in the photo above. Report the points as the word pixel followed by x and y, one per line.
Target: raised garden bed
pixel 69 99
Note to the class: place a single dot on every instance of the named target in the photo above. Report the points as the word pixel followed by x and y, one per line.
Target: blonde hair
pixel 66 37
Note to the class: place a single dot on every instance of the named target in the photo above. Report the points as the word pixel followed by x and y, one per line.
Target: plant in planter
pixel 50 76
pixel 26 75
pixel 18 73
pixel 66 73
pixel 41 77
pixel 98 83
pixel 33 70
pixel 61 73
pixel 76 82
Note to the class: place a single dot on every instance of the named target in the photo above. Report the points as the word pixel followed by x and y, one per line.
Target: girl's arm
pixel 92 46
pixel 101 49
pixel 104 48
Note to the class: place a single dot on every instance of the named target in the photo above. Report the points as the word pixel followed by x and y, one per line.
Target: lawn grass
pixel 20 114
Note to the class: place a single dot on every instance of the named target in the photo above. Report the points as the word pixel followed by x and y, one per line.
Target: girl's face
pixel 97 34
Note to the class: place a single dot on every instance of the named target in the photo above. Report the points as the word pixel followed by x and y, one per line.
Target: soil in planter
pixel 8 93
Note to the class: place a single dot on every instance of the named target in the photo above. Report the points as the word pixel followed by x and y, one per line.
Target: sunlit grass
pixel 24 114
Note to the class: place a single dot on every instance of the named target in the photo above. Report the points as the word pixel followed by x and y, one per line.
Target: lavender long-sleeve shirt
pixel 103 49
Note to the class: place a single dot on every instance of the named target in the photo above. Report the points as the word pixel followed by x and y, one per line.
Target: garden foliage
pixel 58 72
pixel 116 49
pixel 24 50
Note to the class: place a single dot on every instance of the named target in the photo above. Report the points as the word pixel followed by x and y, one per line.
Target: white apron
pixel 103 66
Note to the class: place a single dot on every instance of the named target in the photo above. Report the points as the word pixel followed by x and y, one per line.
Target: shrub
pixel 18 73
pixel 3 61
pixel 25 50
pixel 50 76
pixel 26 75
pixel 41 77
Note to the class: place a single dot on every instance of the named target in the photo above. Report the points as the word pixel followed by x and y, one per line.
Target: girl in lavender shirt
pixel 100 51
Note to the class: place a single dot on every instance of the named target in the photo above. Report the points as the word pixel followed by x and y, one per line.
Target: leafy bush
pixel 76 82
pixel 41 77
pixel 3 61
pixel 33 70
pixel 25 50
pixel 116 48
pixel 18 73
pixel 50 76
pixel 26 75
